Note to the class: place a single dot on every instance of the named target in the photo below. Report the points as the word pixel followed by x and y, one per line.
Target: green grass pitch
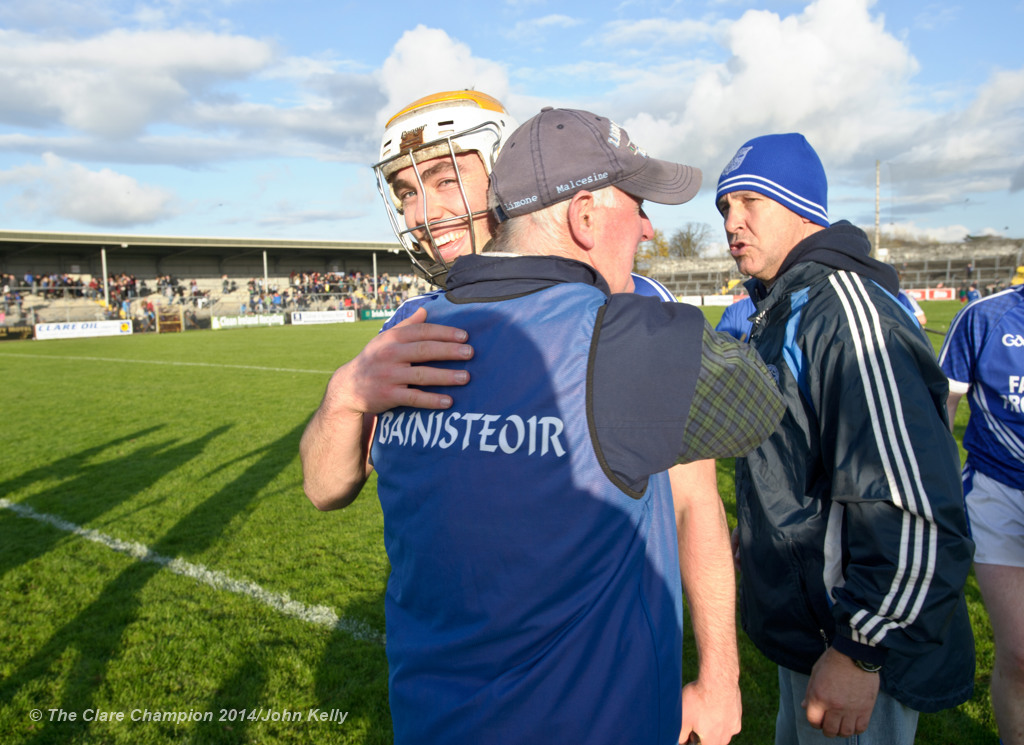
pixel 163 579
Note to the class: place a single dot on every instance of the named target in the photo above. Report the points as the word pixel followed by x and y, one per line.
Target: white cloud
pixel 185 151
pixel 104 198
pixel 834 73
pixel 962 157
pixel 934 15
pixel 287 215
pixel 1017 180
pixel 426 60
pixel 55 14
pixel 831 72
pixel 978 139
pixel 912 231
pixel 118 83
pixel 121 88
pixel 692 90
pixel 653 33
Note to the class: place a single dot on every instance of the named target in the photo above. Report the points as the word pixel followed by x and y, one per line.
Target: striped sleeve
pixel 900 520
pixel 651 288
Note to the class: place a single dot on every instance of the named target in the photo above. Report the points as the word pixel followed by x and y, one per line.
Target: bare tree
pixel 689 242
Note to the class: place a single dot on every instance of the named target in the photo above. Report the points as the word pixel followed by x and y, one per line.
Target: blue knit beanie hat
pixel 784 168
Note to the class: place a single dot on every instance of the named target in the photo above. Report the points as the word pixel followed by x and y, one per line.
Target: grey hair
pixel 542 232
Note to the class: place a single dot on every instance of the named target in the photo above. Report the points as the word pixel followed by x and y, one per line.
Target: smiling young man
pixel 851 537
pixel 436 157
pixel 457 188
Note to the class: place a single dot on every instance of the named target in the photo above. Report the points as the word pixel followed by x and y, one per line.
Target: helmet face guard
pixel 444 125
pixel 418 240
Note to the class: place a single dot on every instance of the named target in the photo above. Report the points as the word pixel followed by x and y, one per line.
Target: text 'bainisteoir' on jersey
pixel 489 433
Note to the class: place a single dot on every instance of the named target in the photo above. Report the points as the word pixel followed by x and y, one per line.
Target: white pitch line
pixel 319 615
pixel 165 362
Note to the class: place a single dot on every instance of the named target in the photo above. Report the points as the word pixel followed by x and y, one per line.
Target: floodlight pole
pixel 376 289
pixel 878 166
pixel 106 287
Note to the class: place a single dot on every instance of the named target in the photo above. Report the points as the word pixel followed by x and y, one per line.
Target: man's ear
pixel 582 217
pixel 810 227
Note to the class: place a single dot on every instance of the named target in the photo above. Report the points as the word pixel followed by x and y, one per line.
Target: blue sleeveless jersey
pixel 985 350
pixel 530 599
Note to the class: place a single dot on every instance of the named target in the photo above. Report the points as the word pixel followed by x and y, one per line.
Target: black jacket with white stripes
pixel 851 514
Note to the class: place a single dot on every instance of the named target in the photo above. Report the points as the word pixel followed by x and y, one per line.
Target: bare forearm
pixel 706 566
pixel 952 402
pixel 712 704
pixel 711 597
pixel 334 454
pixel 389 372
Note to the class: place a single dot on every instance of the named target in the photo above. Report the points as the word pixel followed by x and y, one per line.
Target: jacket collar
pixel 488 277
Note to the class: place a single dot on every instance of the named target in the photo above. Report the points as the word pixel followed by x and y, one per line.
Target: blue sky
pixel 259 118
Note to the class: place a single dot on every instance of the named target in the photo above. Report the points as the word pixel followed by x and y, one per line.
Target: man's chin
pixel 448 256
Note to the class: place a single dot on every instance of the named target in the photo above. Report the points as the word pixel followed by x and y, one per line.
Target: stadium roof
pixel 89 244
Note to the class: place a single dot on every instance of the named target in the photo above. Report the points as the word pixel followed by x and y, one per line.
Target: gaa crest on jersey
pixel 736 162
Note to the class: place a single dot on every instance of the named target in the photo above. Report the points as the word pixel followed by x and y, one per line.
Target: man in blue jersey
pixel 910 303
pixel 436 155
pixel 851 540
pixel 735 321
pixel 535 592
pixel 983 357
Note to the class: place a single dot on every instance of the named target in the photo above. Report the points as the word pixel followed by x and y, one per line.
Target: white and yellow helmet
pixel 441 124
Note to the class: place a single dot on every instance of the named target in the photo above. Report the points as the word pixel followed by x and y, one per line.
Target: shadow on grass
pixel 84 646
pixel 87 491
pixel 353 676
pixel 234 694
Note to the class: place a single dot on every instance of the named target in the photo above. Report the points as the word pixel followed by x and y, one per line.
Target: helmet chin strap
pixel 435 270
pixel 435 273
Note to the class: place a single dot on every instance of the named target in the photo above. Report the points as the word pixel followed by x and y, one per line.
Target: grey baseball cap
pixel 562 151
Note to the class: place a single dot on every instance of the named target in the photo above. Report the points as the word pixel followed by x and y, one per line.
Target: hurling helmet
pixel 439 125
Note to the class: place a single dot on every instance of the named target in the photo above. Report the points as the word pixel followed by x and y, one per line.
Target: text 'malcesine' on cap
pixel 784 168
pixel 560 152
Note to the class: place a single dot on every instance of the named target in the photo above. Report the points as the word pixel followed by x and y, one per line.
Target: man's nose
pixel 733 220
pixel 648 229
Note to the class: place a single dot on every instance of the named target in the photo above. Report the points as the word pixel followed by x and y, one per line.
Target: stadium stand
pixel 239 276
pixel 993 262
pixel 198 263
pixel 202 298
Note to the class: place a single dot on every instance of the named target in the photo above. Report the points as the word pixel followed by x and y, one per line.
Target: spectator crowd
pixel 304 291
